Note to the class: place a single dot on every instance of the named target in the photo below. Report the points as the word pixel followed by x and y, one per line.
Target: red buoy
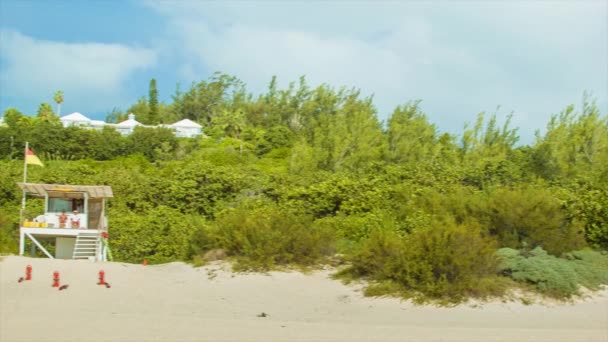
pixel 28 272
pixel 55 279
pixel 102 280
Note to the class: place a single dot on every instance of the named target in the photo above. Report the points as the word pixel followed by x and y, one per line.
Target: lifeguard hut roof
pixel 67 191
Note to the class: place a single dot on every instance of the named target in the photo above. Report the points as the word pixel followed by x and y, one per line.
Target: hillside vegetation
pixel 299 176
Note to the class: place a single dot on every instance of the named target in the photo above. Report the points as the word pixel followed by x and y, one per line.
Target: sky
pixel 530 59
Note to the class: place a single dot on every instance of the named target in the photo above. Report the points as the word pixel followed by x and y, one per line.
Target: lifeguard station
pixel 79 242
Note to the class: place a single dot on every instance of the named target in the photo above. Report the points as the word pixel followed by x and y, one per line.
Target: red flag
pixel 30 158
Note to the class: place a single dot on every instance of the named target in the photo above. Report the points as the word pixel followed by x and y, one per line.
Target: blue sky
pixel 531 58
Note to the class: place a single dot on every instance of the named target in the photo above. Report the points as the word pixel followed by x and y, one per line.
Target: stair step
pixel 87 245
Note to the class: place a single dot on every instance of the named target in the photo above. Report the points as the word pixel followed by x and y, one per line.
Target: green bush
pixel 378 255
pixel 330 194
pixel 533 217
pixel 447 262
pixel 558 277
pixel 527 215
pixel 262 236
pixel 9 231
pixel 588 204
pixel 160 235
pixel 355 228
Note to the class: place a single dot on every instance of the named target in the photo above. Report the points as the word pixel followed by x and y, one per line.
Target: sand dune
pixel 175 302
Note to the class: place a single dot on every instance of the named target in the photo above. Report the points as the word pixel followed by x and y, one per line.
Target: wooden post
pixel 22 211
pixel 21 241
pixel 85 210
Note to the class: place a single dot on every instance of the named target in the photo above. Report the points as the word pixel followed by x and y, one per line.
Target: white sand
pixel 175 302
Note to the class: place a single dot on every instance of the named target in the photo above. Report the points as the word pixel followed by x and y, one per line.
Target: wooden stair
pixel 87 245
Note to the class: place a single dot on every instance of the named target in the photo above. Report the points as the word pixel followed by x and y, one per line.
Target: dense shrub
pixel 9 233
pixel 153 143
pixel 263 236
pixel 198 186
pixel 448 261
pixel 525 215
pixel 588 204
pixel 552 275
pixel 355 228
pixel 533 217
pixel 333 194
pixel 160 235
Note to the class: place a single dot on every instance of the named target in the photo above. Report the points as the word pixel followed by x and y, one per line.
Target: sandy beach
pixel 176 302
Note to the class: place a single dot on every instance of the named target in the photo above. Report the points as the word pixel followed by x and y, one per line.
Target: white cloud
pixel 256 54
pixel 91 75
pixel 532 58
pixel 283 41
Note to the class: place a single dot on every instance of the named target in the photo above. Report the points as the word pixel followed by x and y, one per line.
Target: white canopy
pixel 75 117
pixel 185 123
pixel 64 190
pixel 131 122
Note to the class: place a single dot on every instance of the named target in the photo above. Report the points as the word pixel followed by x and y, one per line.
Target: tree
pixel 411 137
pixel 141 110
pixel 343 129
pixel 12 117
pixel 58 98
pixel 115 116
pixel 45 112
pixel 494 142
pixel 206 99
pixel 153 103
pixel 151 142
pixel 231 123
pixel 107 144
pixel 487 153
pixel 575 144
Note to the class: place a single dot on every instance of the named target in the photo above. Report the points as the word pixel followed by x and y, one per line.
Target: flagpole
pixel 24 181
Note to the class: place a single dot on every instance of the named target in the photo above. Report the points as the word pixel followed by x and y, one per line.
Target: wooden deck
pixel 92 237
pixel 55 232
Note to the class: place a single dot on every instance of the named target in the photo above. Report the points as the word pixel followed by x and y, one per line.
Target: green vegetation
pixel 554 276
pixel 446 262
pixel 299 176
pixel 262 236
